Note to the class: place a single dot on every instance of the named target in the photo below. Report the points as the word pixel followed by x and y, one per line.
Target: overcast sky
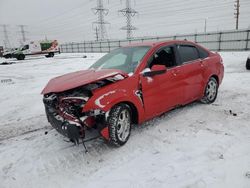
pixel 71 20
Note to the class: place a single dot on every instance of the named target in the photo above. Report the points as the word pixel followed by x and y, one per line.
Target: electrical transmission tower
pixel 6 40
pixel 100 11
pixel 237 13
pixel 128 12
pixel 23 33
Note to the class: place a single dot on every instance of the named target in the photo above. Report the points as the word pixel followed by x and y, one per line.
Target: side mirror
pixel 155 70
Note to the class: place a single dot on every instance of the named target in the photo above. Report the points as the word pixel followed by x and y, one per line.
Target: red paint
pixel 105 133
pixel 177 86
pixel 89 122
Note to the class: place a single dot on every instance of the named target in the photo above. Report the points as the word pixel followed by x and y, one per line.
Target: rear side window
pixel 203 53
pixel 188 53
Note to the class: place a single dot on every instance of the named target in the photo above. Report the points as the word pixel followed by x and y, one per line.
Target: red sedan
pixel 131 85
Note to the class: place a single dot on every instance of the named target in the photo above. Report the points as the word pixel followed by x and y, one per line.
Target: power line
pixel 237 13
pixel 100 11
pixel 6 40
pixel 128 12
pixel 59 16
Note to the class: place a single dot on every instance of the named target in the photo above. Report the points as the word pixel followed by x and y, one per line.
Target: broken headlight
pixel 73 105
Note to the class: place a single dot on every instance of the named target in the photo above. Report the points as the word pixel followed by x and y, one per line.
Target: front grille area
pixel 64 123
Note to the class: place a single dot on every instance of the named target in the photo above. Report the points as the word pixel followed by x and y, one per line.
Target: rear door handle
pixel 202 63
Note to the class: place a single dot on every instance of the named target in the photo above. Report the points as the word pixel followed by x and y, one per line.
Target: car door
pixel 192 70
pixel 161 92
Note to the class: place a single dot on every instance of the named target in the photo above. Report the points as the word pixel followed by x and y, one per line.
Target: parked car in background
pixel 248 63
pixel 1 51
pixel 48 48
pixel 131 85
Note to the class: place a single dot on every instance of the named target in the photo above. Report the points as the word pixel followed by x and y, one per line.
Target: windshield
pixel 125 59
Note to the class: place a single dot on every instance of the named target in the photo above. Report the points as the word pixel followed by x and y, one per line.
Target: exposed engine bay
pixel 64 111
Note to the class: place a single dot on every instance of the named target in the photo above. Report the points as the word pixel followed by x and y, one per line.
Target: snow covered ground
pixel 196 146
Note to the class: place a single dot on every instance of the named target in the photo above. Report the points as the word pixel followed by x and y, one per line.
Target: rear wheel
pixel 119 124
pixel 211 91
pixel 51 54
pixel 7 56
pixel 248 64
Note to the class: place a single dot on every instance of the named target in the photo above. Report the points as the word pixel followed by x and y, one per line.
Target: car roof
pixel 157 43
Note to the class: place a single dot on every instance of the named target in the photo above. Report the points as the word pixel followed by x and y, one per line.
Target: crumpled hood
pixel 79 78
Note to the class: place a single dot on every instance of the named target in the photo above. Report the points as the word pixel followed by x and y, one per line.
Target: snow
pixel 194 146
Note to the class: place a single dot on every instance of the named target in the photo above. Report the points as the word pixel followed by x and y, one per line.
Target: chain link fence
pixel 217 41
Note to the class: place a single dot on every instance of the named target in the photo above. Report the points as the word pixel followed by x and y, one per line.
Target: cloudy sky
pixel 71 20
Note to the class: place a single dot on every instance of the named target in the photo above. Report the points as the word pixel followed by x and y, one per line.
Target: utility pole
pixel 128 12
pixel 237 12
pixel 100 11
pixel 96 34
pixel 6 40
pixel 205 26
pixel 23 33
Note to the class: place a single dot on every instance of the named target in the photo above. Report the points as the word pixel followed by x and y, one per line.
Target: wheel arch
pixel 206 81
pixel 216 77
pixel 134 110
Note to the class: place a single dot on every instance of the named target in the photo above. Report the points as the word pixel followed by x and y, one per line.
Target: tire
pixel 119 124
pixel 7 56
pixel 21 57
pixel 248 64
pixel 211 91
pixel 51 54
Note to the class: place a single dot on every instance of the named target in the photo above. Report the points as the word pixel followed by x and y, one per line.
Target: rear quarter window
pixel 188 53
pixel 203 53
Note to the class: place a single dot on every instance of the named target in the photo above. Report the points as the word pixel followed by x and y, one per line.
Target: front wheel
pixel 211 91
pixel 119 124
pixel 21 57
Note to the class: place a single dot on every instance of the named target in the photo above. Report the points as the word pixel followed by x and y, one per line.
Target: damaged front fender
pixel 123 91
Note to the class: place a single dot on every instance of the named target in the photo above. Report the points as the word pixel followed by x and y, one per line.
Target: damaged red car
pixel 131 85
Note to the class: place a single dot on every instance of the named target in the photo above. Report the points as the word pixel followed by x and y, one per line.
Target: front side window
pixel 25 47
pixel 164 56
pixel 188 53
pixel 125 59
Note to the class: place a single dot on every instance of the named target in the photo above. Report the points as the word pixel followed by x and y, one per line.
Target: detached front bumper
pixel 70 129
pixel 67 120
